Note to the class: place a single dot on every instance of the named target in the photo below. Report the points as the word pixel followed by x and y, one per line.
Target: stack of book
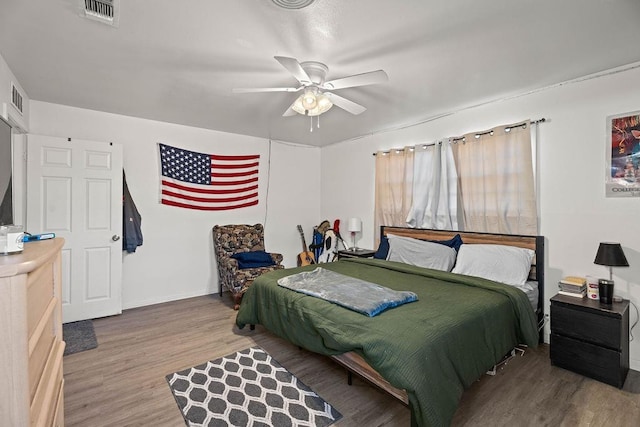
pixel 573 286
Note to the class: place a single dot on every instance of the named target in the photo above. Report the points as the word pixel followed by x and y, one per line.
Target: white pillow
pixel 421 253
pixel 505 264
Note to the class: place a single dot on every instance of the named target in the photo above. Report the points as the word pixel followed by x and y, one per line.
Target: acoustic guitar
pixel 306 256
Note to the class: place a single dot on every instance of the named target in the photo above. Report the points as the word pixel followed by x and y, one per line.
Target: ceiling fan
pixel 316 97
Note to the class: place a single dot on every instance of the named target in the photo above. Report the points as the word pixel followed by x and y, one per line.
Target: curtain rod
pixel 477 134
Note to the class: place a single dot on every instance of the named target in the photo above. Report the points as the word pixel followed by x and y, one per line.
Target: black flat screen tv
pixel 6 171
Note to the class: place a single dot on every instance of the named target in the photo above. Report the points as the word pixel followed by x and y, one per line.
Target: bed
pixel 425 352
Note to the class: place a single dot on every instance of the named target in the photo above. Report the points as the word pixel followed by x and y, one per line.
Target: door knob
pixel 115 237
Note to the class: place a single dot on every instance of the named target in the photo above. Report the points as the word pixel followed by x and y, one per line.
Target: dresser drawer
pixel 587 325
pixel 43 404
pixel 55 409
pixel 596 362
pixel 58 413
pixel 40 292
pixel 43 348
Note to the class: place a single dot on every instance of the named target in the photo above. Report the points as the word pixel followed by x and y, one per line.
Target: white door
pixel 74 189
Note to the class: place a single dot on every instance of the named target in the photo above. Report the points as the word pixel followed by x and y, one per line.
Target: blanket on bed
pixel 355 294
pixel 433 348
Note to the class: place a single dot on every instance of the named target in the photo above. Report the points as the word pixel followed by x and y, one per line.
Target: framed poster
pixel 623 155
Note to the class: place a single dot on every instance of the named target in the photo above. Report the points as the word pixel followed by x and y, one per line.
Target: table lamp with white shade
pixel 354 226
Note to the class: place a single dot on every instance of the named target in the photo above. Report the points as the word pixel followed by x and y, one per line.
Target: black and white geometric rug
pixel 247 388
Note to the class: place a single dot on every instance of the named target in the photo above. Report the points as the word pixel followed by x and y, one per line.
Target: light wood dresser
pixel 31 345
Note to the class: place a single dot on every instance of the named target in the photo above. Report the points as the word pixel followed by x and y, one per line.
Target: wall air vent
pixel 105 11
pixel 16 98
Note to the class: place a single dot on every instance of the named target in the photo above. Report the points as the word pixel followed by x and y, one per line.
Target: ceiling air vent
pixel 293 4
pixel 105 11
pixel 16 98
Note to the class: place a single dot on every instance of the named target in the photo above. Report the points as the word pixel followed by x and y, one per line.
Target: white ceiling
pixel 177 61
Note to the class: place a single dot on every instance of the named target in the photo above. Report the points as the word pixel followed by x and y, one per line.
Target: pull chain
pixel 311 123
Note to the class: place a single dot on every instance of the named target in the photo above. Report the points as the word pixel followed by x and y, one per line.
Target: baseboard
pixel 165 298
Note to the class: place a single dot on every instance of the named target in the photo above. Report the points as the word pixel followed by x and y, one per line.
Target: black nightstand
pixel 590 338
pixel 358 253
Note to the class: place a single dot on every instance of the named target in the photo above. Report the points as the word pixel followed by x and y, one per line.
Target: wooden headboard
pixel 535 243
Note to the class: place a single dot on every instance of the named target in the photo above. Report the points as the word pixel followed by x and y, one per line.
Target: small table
pixel 358 253
pixel 590 338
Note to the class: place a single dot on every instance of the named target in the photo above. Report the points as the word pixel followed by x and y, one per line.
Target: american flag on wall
pixel 208 181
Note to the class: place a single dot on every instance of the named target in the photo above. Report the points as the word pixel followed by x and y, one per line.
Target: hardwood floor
pixel 122 382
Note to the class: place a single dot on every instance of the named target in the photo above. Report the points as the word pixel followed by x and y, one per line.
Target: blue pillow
pixel 253 259
pixel 383 249
pixel 455 242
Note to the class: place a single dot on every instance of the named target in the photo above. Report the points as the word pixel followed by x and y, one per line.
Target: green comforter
pixel 433 348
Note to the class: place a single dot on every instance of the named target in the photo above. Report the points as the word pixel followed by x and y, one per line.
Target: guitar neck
pixel 304 243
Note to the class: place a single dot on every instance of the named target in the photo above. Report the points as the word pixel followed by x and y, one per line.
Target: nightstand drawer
pixel 584 324
pixel 599 363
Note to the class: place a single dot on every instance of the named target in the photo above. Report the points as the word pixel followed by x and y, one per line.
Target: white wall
pixel 177 260
pixel 574 213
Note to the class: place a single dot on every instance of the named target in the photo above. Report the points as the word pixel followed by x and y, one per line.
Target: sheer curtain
pixel 435 188
pixel 393 188
pixel 497 189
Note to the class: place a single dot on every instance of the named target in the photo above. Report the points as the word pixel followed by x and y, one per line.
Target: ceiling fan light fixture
pixel 322 105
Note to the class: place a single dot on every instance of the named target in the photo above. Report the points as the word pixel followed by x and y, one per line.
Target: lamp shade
pixel 611 254
pixel 309 100
pixel 355 225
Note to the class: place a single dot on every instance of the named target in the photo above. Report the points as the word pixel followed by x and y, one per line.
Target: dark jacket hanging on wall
pixel 131 220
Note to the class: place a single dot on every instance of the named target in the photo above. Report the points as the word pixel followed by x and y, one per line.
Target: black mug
pixel 605 287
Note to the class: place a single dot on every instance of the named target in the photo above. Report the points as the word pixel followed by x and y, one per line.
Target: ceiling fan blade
pixel 294 67
pixel 345 104
pixel 370 78
pixel 266 89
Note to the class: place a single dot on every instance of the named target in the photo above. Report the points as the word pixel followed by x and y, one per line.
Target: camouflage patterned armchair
pixel 232 239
